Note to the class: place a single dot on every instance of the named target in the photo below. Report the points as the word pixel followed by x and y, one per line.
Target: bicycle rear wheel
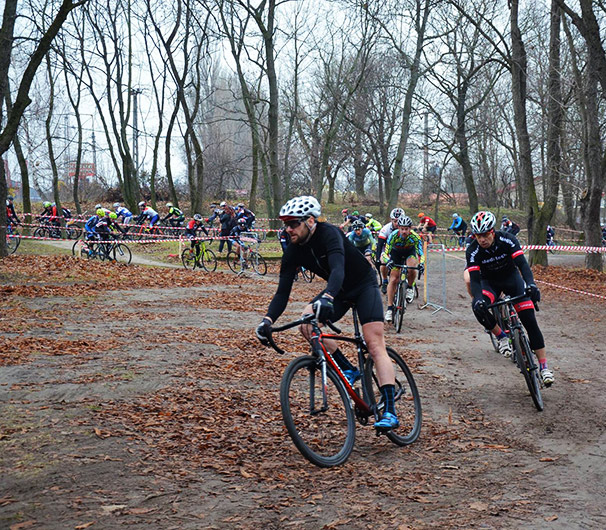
pixel 233 261
pixel 188 258
pixel 324 435
pixel 12 242
pixel 407 399
pixel 122 254
pixel 208 260
pixel 527 364
pixel 258 263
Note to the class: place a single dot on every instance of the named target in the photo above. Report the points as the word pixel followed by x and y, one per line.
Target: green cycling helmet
pixel 101 212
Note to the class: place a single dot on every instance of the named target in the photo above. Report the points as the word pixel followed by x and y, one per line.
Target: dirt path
pixel 138 397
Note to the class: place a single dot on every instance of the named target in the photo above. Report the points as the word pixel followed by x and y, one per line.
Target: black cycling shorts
pixel 399 256
pixel 365 297
pixel 432 229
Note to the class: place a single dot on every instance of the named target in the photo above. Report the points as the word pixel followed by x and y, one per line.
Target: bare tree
pixel 22 100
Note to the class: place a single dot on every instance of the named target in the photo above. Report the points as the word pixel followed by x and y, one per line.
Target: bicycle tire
pixel 122 254
pixel 308 275
pixel 12 242
pixel 324 437
pixel 258 264
pixel 188 258
pixel 528 367
pixel 208 260
pixel 233 261
pixel 401 307
pixel 40 232
pixel 408 400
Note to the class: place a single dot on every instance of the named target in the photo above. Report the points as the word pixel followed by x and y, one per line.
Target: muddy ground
pixel 138 397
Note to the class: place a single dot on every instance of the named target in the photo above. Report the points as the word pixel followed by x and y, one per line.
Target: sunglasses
pixel 293 224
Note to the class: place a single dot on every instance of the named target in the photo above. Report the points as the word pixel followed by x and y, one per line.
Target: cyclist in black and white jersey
pixel 495 264
pixel 323 249
pixel 382 238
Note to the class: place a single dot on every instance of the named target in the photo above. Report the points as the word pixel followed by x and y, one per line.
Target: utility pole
pixel 135 93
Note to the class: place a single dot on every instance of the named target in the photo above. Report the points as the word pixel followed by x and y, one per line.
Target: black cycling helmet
pixel 197 217
pixel 404 220
pixel 357 225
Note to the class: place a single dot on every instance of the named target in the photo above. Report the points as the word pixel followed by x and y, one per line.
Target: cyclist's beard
pixel 310 231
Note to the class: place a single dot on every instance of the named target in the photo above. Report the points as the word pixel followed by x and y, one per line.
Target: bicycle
pixel 320 406
pixel 399 300
pixel 239 262
pixel 13 238
pixel 551 242
pixel 523 355
pixel 199 256
pixel 102 250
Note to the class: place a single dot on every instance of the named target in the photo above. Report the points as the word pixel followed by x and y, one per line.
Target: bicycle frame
pixel 363 409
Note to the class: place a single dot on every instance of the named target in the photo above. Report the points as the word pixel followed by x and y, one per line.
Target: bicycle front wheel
pixel 324 432
pixel 258 263
pixel 208 260
pixel 399 306
pixel 407 399
pixel 12 242
pixel 233 261
pixel 527 364
pixel 122 254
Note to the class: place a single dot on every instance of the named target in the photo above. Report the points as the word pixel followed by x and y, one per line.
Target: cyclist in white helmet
pixel 323 249
pixel 382 238
pixel 495 265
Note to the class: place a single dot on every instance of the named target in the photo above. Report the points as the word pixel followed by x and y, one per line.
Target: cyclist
pixel 236 232
pixel 245 213
pixel 175 212
pixel 384 234
pixel 493 262
pixel 404 247
pixel 459 227
pixel 348 218
pixel 147 212
pixel 323 249
pixel 11 214
pixel 91 223
pixel 372 224
pixel 507 225
pixel 362 239
pixel 112 223
pixel 549 235
pixel 125 216
pixel 427 226
pixel 191 228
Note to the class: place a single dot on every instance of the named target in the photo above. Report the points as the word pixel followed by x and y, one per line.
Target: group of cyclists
pixel 495 264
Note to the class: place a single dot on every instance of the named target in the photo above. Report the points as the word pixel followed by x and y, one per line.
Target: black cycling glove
pixel 535 294
pixel 263 331
pixel 324 309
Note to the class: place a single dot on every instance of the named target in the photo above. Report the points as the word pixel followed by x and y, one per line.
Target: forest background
pixel 478 102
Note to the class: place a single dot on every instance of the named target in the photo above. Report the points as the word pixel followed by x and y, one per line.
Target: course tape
pixel 572 290
pixel 127 241
pixel 569 248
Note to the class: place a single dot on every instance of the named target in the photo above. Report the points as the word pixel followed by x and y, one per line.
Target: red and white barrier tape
pixel 572 290
pixel 569 248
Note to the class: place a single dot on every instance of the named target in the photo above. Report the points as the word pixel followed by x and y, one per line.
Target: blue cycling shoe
pixel 387 422
pixel 352 376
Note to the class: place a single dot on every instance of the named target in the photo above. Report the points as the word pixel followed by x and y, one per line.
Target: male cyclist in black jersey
pixel 322 248
pixel 495 264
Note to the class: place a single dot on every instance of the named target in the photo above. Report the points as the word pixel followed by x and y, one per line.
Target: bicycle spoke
pixel 324 435
pixel 408 401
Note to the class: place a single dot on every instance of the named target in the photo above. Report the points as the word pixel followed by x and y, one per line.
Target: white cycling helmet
pixel 97 206
pixel 404 220
pixel 142 204
pixel 116 205
pixel 223 204
pixel 169 204
pixel 368 215
pixel 482 222
pixel 357 225
pixel 396 213
pixel 299 207
pixel 455 215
